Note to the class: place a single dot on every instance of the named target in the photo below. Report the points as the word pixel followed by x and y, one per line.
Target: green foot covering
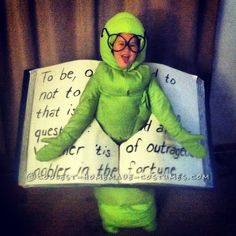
pixel 150 227
pixel 126 208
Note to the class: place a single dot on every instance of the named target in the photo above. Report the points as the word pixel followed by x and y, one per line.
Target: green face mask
pixel 123 22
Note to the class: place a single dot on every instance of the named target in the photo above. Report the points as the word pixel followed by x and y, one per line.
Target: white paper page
pixel 149 156
pixel 93 157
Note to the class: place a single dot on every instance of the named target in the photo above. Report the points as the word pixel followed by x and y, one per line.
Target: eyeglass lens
pixel 120 44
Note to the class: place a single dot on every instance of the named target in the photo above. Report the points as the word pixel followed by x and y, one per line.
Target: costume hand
pixel 49 152
pixel 55 147
pixel 191 143
pixel 196 149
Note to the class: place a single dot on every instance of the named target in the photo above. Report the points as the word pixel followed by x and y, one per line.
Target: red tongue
pixel 125 59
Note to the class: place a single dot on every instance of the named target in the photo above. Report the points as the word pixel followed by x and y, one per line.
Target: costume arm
pixel 83 116
pixel 161 108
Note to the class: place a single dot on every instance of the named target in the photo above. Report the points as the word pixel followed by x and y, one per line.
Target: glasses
pixel 117 43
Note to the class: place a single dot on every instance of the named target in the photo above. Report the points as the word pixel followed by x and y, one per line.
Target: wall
pixel 223 87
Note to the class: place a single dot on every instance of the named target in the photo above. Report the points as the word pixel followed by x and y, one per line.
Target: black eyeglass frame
pixel 126 43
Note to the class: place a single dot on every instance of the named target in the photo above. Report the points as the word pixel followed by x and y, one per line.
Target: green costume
pixel 122 100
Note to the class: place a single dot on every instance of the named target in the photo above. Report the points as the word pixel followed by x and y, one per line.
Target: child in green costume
pixel 121 95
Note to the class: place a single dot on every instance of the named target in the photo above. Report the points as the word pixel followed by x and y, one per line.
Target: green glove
pixel 191 143
pixel 55 147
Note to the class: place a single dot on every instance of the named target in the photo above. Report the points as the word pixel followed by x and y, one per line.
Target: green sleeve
pixel 82 117
pixel 84 112
pixel 161 108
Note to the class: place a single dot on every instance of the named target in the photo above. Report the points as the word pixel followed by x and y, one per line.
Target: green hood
pixel 123 22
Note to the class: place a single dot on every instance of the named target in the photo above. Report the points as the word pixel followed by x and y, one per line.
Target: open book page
pixel 93 157
pixel 151 155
